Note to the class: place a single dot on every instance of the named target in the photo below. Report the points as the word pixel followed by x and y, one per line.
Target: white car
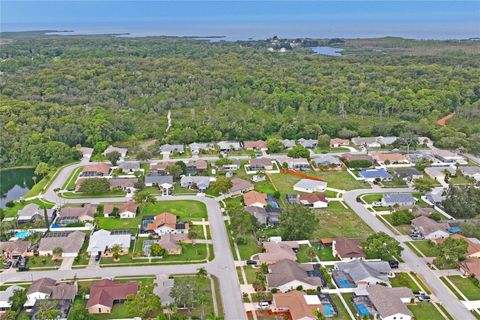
pixel 263 305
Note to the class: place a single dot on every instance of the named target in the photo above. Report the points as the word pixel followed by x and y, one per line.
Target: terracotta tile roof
pixel 312 197
pixel 349 247
pixel 252 197
pixel 105 291
pixel 296 304
pixel 388 156
pixel 339 141
pixel 99 167
pixel 259 144
pixel 163 219
pixel 471 266
pixel 126 206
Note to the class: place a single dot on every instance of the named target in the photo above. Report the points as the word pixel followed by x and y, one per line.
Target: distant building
pixel 123 151
pixel 310 186
pixel 430 229
pixel 338 143
pixel 399 199
pixel 372 175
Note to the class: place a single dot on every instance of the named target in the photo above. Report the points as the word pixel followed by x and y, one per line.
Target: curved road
pixel 222 266
pixel 445 296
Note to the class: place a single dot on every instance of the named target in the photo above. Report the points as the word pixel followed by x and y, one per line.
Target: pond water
pixel 328 51
pixel 14 183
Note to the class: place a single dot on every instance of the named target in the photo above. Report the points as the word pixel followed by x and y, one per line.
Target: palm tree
pixel 202 300
pixel 202 273
pixel 310 252
pixel 318 315
pixel 57 252
pixel 192 234
pixel 116 250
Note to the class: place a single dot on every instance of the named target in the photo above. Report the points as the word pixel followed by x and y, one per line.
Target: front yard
pixel 467 286
pixel 427 247
pixel 340 180
pixel 425 311
pixel 402 279
pixel 184 209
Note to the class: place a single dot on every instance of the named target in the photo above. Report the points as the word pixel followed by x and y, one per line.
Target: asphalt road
pixel 445 296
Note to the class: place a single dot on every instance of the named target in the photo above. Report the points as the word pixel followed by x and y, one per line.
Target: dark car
pixel 251 262
pixel 98 256
pixel 393 264
pixel 7 264
pixel 23 267
pixel 15 263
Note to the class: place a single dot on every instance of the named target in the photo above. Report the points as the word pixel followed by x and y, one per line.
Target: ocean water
pixel 249 19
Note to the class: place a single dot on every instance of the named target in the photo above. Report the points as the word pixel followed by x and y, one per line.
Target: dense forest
pixel 60 91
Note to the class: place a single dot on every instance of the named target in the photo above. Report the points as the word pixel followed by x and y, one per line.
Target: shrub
pixel 401 217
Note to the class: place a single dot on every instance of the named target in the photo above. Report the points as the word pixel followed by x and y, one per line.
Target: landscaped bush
pixel 357 164
pixel 401 217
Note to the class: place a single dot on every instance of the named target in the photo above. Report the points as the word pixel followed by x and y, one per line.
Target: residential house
pixel 300 164
pixel 310 186
pixel 49 289
pixel 313 200
pixel 234 166
pixel 160 181
pixel 386 159
pixel 129 166
pixel 386 141
pixel 255 199
pixel 288 144
pixel 96 170
pixel 364 273
pixel 438 173
pixel 167 223
pixel 435 196
pixel 326 161
pixel 102 241
pixel 390 303
pixel 268 216
pixel 407 174
pixel 105 293
pixel 240 186
pixel 123 151
pixel 199 182
pixel 257 164
pixel 338 143
pixel 85 213
pixel 429 228
pixel 86 152
pixel 14 249
pixel 473 249
pixel 286 275
pixel 470 267
pixel 351 157
pixel 347 248
pixel 276 251
pixel 371 175
pixel 125 184
pixel 32 213
pixel 69 241
pixel 227 146
pixel 197 148
pixel 298 304
pixel 159 168
pixel 308 143
pixel 259 145
pixel 471 172
pixel 167 149
pixel 368 142
pixel 196 166
pixel 163 288
pixel 398 199
pixel 447 156
pixel 171 242
pixel 125 210
pixel 5 296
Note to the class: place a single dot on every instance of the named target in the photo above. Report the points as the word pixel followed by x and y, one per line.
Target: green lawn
pixel 460 180
pixel 204 286
pixel 265 187
pixel 44 261
pixel 184 209
pixel 402 279
pixel 337 221
pixel 427 247
pixel 249 248
pixel 80 195
pixel 466 286
pixel 83 257
pixel 12 212
pixel 70 182
pixel 370 198
pixel 425 311
pixel 342 312
pixel 302 254
pixel 328 149
pixel 323 253
pixel 250 273
pixel 37 188
pixel 403 228
pixel 339 180
pixel 284 182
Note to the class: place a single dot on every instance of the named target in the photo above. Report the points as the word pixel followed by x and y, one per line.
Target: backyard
pixel 323 253
pixel 12 212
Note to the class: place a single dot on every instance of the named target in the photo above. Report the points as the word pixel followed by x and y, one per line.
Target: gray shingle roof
pixel 398 198
pixel 387 301
pixel 360 270
pixel 286 271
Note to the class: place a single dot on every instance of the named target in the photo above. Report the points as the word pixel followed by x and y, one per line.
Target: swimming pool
pixel 328 310
pixel 272 202
pixel 22 234
pixel 362 310
pixel 343 283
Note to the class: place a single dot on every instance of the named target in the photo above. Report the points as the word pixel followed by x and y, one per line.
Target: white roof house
pixel 471 171
pixel 310 186
pixel 103 239
pixel 5 304
pixel 169 148
pixel 123 151
pixel 195 147
pixel 229 145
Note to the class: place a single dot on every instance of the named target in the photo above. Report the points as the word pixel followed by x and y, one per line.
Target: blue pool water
pixel 362 310
pixel 55 226
pixel 22 234
pixel 272 202
pixel 327 310
pixel 344 283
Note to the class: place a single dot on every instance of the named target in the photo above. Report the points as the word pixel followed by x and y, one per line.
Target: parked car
pixel 263 305
pixel 416 236
pixel 7 264
pixel 422 296
pixel 98 256
pixel 15 263
pixel 251 262
pixel 393 264
pixel 23 267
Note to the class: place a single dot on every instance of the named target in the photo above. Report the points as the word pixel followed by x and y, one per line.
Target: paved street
pixel 447 298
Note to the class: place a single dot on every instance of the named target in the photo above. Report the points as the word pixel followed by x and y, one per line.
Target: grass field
pixel 370 198
pixel 284 182
pixel 425 311
pixel 337 221
pixel 249 248
pixel 70 182
pixel 184 209
pixel 37 188
pixel 427 247
pixel 402 279
pixel 265 187
pixel 466 286
pixel 339 180
pixel 12 212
